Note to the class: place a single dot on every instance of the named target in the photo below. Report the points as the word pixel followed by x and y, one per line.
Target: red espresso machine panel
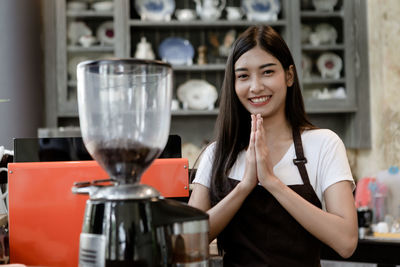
pixel 45 217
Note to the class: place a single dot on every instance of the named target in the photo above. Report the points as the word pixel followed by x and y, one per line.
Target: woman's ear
pixel 290 76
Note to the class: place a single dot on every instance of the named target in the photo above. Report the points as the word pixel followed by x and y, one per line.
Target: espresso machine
pixel 124 112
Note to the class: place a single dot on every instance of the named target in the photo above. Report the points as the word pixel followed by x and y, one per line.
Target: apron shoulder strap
pixel 300 160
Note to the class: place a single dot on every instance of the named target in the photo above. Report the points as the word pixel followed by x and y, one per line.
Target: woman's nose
pixel 256 85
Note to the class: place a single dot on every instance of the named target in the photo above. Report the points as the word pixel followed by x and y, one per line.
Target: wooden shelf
pixel 206 67
pixel 201 23
pixel 96 48
pixel 90 14
pixel 324 106
pixel 319 80
pixel 321 14
pixel 310 47
pixel 188 112
pixel 181 112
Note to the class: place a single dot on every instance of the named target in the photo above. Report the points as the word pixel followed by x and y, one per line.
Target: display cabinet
pixel 195 125
pixel 334 68
pixel 84 31
pixel 336 94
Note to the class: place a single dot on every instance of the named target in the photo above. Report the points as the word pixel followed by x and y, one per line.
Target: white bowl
pixel 324 5
pixel 185 14
pixel 103 6
pixel 197 95
pixel 233 12
pixel 87 40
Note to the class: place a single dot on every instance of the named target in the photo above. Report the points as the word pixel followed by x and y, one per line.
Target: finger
pixel 253 122
pixel 259 136
pixel 259 119
pixel 259 126
pixel 252 141
pixel 253 129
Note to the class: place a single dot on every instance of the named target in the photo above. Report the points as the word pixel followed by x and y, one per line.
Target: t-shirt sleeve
pixel 334 163
pixel 203 173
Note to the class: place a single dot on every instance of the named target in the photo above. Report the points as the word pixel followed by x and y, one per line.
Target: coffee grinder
pixel 124 112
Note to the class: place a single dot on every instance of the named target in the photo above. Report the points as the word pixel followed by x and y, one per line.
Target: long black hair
pixel 234 123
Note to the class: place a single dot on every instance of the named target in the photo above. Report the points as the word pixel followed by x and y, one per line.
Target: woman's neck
pixel 277 129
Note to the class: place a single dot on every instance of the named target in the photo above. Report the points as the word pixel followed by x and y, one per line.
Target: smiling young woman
pixel 264 179
pixel 261 83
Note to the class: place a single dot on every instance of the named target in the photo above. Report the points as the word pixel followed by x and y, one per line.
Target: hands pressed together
pixel 259 168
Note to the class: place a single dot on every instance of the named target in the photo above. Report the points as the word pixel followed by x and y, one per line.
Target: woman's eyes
pixel 243 76
pixel 268 72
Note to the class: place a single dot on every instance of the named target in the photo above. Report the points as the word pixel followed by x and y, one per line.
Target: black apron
pixel 263 233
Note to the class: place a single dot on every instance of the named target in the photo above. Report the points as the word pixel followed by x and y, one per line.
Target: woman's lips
pixel 260 101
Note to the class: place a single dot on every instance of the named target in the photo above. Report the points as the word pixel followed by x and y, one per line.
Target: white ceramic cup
pixel 174 104
pixel 87 40
pixel 382 227
pixel 185 14
pixel 233 13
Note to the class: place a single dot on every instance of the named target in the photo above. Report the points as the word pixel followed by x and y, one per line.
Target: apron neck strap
pixel 300 160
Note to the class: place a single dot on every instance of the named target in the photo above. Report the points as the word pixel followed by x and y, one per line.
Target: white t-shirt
pixel 325 152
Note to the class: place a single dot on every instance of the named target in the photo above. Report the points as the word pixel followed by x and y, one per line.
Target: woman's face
pixel 261 82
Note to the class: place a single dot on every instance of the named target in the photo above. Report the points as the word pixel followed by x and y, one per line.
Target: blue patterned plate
pixel 176 51
pixel 261 10
pixel 155 10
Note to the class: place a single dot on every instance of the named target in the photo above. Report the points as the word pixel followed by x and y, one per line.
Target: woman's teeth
pixel 260 99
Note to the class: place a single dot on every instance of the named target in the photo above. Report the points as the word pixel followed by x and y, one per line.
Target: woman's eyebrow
pixel 261 67
pixel 240 69
pixel 267 65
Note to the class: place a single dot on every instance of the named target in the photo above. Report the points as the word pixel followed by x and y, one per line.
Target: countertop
pixel 369 250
